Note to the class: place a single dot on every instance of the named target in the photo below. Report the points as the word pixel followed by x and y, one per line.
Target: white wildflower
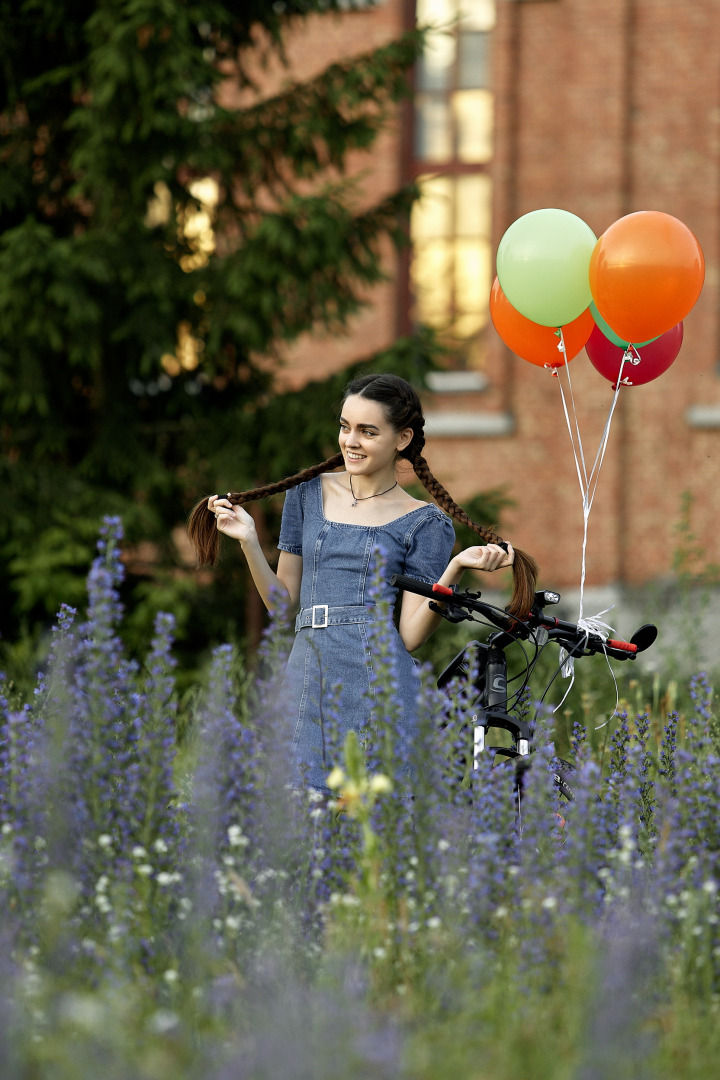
pixel 83 1011
pixel 162 1021
pixel 236 837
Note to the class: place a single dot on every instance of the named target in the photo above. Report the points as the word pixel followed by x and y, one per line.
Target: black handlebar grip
pixel 412 585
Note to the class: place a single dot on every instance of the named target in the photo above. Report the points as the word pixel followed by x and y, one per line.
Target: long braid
pixel 202 526
pixel 525 569
pixel 444 499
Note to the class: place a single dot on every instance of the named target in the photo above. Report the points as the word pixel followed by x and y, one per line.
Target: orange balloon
pixel 532 342
pixel 646 273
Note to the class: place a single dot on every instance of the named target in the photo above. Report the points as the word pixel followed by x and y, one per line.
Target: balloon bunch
pixel 622 297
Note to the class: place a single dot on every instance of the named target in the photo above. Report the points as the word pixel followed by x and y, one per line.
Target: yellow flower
pixel 380 784
pixel 335 778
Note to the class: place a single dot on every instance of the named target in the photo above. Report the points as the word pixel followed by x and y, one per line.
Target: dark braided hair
pixel 202 526
pixel 403 410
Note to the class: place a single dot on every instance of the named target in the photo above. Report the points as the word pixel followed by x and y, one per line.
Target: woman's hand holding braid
pixel 485 557
pixel 232 520
pixel 238 524
pixel 418 619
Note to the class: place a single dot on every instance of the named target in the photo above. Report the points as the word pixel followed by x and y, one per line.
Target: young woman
pixel 332 523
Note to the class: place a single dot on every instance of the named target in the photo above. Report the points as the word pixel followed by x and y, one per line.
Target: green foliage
pixel 109 111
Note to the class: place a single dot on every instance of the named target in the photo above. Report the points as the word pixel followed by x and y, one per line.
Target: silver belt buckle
pixel 323 609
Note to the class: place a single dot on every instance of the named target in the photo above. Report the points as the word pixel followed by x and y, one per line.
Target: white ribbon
pixel 588 486
pixel 588 481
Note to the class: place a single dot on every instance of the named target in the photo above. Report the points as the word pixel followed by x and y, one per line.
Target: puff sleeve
pixel 291 525
pixel 429 546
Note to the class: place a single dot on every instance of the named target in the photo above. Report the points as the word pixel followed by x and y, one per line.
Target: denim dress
pixel 329 672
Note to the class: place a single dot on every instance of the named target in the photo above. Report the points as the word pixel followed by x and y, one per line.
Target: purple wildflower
pixel 668 748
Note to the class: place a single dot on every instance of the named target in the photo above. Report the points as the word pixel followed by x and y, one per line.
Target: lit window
pixel 453 146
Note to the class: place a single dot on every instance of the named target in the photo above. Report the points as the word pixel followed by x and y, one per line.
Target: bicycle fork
pixel 493 713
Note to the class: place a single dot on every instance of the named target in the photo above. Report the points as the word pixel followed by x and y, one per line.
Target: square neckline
pixel 357 524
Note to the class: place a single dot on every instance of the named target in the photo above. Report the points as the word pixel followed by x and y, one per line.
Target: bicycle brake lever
pixel 446 613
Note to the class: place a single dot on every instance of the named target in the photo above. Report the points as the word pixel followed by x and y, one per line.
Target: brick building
pixel 599 109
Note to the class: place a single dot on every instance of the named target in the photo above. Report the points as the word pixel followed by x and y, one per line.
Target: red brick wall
pixel 602 109
pixel 315 43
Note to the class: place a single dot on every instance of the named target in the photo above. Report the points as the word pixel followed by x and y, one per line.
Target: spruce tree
pixel 134 306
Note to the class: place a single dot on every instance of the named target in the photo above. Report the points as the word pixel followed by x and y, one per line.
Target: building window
pixel 450 273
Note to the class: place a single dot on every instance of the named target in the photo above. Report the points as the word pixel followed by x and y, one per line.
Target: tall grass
pixel 187 912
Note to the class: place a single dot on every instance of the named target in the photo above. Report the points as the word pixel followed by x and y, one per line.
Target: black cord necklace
pixel 366 497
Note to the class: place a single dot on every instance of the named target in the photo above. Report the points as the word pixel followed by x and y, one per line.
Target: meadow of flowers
pixel 173 908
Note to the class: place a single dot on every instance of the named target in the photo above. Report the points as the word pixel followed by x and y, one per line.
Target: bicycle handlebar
pixel 464 603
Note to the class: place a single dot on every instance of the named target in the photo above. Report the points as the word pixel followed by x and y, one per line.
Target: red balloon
pixel 646 273
pixel 530 340
pixel 655 357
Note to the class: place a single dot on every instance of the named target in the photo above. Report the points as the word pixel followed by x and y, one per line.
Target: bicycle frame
pixel 486 663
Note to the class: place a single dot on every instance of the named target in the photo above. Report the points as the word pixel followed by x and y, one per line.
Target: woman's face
pixel 367 439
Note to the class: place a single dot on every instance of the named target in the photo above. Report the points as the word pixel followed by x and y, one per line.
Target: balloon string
pixel 588 483
pixel 588 486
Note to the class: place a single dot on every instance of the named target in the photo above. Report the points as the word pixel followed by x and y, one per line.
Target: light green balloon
pixel 610 333
pixel 542 266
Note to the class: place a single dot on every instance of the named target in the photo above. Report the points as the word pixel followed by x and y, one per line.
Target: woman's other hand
pixel 486 557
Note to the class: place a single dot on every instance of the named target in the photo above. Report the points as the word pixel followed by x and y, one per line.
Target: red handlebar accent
pixel 624 646
pixel 442 589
